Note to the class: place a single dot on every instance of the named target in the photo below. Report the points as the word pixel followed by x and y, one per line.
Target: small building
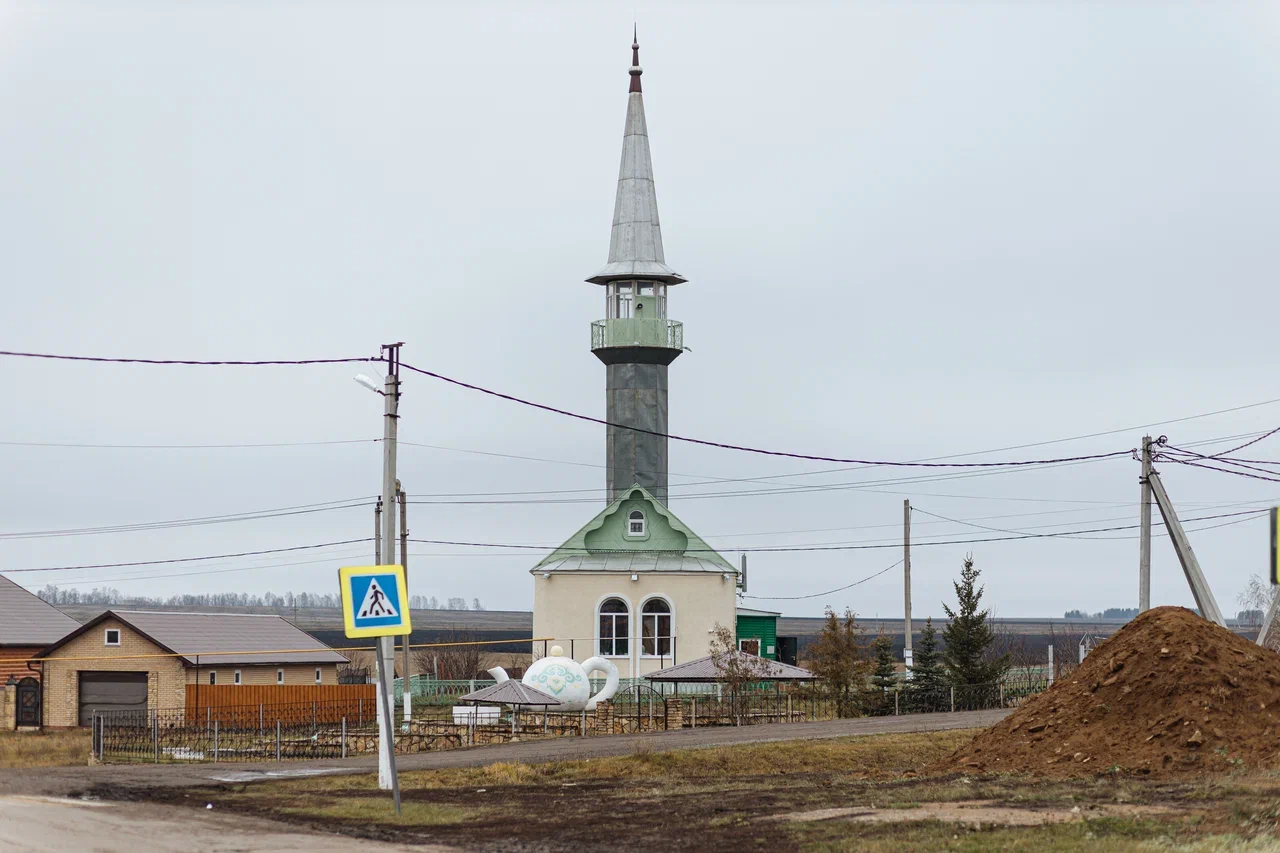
pixel 27 625
pixel 758 632
pixel 143 660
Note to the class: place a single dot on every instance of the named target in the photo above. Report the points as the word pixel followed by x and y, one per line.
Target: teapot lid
pixel 557 651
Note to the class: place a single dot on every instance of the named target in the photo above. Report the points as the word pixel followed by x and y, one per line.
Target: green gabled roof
pixel 691 555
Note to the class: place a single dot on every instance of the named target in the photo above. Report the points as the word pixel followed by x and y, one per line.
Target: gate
pixel 28 712
pixel 639 708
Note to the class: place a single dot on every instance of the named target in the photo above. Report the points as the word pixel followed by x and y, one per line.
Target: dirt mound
pixel 1168 693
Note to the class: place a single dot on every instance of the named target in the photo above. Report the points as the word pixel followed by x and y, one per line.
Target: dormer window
pixel 635 523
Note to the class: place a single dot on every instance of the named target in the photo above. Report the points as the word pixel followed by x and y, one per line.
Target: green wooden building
pixel 758 632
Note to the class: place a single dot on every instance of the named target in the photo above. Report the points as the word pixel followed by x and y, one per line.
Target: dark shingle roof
pixel 704 670
pixel 26 620
pixel 511 692
pixel 224 638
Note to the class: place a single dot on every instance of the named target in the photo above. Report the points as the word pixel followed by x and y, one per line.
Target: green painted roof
pixel 667 546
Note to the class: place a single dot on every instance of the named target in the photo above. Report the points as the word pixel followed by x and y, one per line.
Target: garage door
pixel 112 691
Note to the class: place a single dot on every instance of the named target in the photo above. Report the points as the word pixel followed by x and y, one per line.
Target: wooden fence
pixel 327 703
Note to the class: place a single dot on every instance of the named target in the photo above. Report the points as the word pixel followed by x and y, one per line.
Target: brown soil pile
pixel 1169 693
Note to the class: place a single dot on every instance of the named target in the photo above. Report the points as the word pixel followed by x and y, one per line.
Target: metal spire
pixel 636 70
pixel 635 246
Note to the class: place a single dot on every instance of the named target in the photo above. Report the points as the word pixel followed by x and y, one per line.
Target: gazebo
pixel 515 694
pixel 704 671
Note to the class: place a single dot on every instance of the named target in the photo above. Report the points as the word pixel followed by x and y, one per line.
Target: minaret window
pixel 655 628
pixel 621 298
pixel 614 628
pixel 635 523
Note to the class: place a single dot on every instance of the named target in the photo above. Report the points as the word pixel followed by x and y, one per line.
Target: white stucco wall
pixel 565 606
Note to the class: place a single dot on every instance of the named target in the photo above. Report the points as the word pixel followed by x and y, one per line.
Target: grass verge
pixel 44 749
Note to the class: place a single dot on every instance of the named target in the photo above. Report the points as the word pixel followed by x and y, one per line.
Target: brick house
pixel 140 660
pixel 27 625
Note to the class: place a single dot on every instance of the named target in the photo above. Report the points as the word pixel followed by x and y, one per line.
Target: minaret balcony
pixel 631 332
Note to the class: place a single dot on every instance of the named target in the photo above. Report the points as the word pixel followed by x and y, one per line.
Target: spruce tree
pixel 926 672
pixel 884 675
pixel 968 637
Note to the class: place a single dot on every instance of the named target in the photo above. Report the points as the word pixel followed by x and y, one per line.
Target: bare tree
pixel 734 669
pixel 1022 656
pixel 840 659
pixel 453 662
pixel 1066 649
pixel 1256 600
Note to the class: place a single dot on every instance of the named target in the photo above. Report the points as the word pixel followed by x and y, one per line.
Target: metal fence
pixel 342 728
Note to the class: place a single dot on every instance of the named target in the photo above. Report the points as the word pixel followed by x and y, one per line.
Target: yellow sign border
pixel 349 611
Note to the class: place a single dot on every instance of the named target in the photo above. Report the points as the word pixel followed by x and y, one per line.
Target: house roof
pixel 574 556
pixel 704 670
pixel 747 611
pixel 218 638
pixel 511 692
pixel 27 620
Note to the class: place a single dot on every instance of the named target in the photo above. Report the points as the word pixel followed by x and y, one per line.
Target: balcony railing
pixel 637 332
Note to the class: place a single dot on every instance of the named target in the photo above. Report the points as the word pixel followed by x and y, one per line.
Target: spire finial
pixel 636 70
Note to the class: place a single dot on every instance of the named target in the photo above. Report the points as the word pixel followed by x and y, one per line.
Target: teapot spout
pixel 499 674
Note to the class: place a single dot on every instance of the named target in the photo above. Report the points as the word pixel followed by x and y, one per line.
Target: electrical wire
pixel 186 362
pixel 186 446
pixel 190 559
pixel 1249 512
pixel 758 450
pixel 828 592
pixel 198 521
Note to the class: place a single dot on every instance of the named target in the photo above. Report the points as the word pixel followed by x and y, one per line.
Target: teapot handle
pixel 599 664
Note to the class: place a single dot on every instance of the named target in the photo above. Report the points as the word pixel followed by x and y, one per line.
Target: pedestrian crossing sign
pixel 375 602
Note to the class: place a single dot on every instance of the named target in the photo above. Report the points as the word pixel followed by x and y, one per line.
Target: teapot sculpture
pixel 567 680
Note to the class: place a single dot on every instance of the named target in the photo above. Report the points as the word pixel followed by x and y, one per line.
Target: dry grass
pixel 44 749
pixel 865 757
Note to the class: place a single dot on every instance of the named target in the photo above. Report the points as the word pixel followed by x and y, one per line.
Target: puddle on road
pixel 259 775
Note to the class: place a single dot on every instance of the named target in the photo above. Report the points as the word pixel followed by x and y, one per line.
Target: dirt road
pixel 52 825
pixel 64 781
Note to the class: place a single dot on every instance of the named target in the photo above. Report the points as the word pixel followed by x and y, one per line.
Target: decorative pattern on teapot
pixel 567 680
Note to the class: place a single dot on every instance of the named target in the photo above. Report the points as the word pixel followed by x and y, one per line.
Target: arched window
pixel 635 523
pixel 655 628
pixel 615 627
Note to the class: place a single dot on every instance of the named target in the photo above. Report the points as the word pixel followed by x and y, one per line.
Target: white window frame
pixel 279 676
pixel 644 525
pixel 625 636
pixel 237 678
pixel 106 637
pixel 671 628
pixel 756 640
pixel 319 675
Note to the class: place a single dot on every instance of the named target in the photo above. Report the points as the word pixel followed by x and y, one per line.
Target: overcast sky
pixel 910 230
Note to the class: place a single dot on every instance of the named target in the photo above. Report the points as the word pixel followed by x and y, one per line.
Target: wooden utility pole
pixel 1144 537
pixel 906 579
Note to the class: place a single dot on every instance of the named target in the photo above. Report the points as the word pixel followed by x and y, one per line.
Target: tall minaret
pixel 636 340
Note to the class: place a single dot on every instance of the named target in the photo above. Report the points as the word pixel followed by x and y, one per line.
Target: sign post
pixel 375 603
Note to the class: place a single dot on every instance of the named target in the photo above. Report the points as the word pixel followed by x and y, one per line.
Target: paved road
pixel 64 781
pixel 51 825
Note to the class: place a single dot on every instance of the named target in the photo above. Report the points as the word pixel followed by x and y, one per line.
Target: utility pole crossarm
pixel 1182 545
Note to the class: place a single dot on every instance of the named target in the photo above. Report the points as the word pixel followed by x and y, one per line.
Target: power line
pixel 190 559
pixel 187 362
pixel 198 521
pixel 828 592
pixel 758 450
pixel 1249 512
pixel 236 446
